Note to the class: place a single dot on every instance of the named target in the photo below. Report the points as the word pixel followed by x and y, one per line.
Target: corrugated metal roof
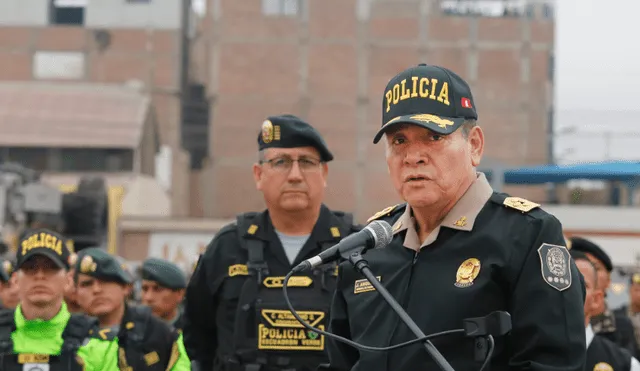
pixel 36 114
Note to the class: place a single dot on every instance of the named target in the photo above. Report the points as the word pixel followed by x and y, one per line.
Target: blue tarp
pixel 625 171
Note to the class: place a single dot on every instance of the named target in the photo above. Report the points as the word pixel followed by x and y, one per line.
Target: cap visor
pixel 46 253
pixel 437 124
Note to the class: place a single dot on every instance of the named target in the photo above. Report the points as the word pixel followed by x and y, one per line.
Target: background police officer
pixel 615 326
pixel 163 286
pixel 235 311
pixel 602 354
pixel 9 294
pixel 459 250
pixel 632 310
pixel 41 330
pixel 144 341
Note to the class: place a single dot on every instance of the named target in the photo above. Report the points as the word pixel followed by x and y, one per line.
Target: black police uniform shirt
pixel 617 327
pixel 228 314
pixel 626 312
pixel 604 355
pixel 490 253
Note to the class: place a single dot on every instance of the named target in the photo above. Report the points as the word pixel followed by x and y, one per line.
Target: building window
pixel 32 158
pixel 96 160
pixel 280 7
pixel 67 12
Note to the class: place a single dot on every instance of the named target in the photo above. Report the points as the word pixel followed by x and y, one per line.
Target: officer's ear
pixel 68 285
pixel 257 176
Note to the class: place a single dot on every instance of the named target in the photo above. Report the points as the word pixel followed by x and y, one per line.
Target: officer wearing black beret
pixel 459 249
pixel 9 297
pixel 144 341
pixel 602 354
pixel 632 310
pixel 235 314
pixel 163 285
pixel 613 325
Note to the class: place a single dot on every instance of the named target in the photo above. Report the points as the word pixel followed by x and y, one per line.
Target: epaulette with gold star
pixel 384 212
pixel 520 204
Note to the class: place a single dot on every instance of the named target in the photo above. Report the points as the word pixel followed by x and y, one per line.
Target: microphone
pixel 375 235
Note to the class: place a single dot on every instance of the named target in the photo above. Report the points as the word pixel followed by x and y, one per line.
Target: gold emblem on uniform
pixel 267 131
pixel 602 366
pixel 280 330
pixel 443 123
pixel 73 258
pixel 87 265
pixel 238 270
pixel 461 222
pixel 467 272
pixel 252 229
pixel 294 281
pixel 396 227
pixel 364 285
pixel 32 358
pixel 635 278
pixel 520 204
pixel 335 232
pixel 381 213
pixel 8 267
pixel 151 358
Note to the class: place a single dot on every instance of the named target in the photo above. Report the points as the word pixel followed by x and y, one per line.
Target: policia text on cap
pixel 235 318
pixel 460 250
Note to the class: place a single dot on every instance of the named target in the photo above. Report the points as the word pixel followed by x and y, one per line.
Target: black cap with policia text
pixel 429 96
pixel 288 131
pixel 46 243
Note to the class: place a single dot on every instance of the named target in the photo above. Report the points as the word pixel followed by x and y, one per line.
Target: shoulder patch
pixel 520 204
pixel 554 266
pixel 384 212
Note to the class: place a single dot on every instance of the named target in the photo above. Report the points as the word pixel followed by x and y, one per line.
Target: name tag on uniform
pixel 280 330
pixel 364 285
pixel 34 362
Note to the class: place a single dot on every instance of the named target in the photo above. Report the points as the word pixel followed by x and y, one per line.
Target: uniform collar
pixel 461 217
pixel 589 335
pixel 327 227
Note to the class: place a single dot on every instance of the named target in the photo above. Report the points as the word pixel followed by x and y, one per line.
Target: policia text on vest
pixel 236 293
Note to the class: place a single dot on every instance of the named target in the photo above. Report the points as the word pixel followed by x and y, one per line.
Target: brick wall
pixel 330 66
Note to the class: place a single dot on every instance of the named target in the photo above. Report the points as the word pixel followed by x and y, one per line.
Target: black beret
pixel 46 243
pixel 99 264
pixel 586 246
pixel 164 273
pixel 577 255
pixel 289 131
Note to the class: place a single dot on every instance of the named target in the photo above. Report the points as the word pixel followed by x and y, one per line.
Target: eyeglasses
pixel 284 164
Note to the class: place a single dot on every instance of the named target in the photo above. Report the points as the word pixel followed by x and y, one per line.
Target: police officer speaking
pixel 459 249
pixel 41 333
pixel 235 313
pixel 602 354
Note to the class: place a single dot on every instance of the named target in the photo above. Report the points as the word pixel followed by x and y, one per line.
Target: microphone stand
pixel 362 266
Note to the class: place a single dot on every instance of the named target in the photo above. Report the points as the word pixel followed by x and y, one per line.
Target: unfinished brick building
pixel 329 60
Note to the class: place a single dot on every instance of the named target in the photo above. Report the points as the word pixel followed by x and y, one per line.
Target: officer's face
pixel 604 277
pixel 593 295
pixel 428 168
pixel 41 282
pixel 9 294
pixel 291 179
pixel 99 298
pixel 162 301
